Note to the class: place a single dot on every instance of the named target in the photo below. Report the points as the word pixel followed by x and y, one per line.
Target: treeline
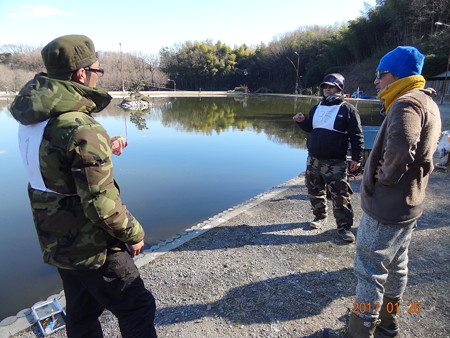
pixel 316 50
pixel 123 71
pixel 309 53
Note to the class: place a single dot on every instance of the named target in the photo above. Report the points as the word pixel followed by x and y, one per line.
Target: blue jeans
pixel 381 263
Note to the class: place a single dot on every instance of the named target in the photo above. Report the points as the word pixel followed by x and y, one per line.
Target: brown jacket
pixel 406 142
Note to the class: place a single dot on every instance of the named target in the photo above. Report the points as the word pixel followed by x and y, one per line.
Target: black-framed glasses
pixel 100 72
pixel 379 73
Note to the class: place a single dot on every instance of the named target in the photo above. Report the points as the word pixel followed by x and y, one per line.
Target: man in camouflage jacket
pixel 83 227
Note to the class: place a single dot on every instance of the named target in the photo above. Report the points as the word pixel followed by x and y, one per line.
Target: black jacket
pixel 333 143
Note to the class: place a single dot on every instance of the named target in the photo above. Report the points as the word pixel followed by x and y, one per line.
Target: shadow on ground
pixel 274 300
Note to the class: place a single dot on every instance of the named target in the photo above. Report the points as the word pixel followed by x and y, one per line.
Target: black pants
pixel 116 286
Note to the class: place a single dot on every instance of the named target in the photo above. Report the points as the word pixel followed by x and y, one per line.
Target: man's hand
pixel 354 166
pixel 377 170
pixel 299 117
pixel 136 249
pixel 118 143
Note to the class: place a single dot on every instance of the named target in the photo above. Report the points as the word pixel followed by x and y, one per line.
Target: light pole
pixel 296 79
pixel 296 71
pixel 121 68
pixel 444 86
pixel 174 84
pixel 245 77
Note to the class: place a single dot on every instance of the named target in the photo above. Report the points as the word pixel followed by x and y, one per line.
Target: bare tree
pixel 133 69
pixel 16 49
pixel 13 79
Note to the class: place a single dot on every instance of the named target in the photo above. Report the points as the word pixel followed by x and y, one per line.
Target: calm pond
pixel 188 159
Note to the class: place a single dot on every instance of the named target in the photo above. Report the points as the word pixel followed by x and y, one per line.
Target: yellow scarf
pixel 396 89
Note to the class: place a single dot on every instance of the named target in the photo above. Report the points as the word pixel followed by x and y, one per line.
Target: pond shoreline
pixel 24 318
pixel 186 93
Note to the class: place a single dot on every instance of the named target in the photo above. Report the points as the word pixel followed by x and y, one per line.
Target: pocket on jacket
pixel 415 190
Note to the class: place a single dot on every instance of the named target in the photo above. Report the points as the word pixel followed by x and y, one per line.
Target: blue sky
pixel 148 25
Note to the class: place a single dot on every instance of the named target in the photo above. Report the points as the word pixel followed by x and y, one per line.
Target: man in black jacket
pixel 333 124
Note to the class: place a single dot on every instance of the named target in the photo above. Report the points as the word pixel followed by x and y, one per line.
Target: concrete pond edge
pixel 24 318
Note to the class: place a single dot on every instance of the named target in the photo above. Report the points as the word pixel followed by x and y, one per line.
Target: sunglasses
pixel 100 72
pixel 379 73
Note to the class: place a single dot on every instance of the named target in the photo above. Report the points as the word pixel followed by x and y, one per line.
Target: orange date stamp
pixel 413 307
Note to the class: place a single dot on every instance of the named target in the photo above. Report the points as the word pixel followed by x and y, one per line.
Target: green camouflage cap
pixel 68 53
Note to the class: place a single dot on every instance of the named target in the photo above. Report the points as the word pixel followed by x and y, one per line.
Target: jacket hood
pixel 429 91
pixel 43 98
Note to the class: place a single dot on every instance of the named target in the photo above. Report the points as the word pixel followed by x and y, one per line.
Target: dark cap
pixel 67 54
pixel 334 79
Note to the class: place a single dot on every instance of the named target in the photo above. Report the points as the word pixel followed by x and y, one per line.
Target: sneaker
pixel 318 222
pixel 346 235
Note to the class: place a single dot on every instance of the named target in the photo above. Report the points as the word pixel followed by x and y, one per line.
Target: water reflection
pixel 188 159
pixel 261 114
pixel 138 119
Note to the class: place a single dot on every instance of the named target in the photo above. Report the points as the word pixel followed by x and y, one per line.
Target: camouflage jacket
pixel 81 214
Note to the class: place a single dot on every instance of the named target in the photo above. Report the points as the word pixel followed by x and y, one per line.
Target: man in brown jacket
pixel 392 191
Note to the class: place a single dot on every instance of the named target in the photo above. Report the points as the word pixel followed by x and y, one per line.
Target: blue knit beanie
pixel 403 61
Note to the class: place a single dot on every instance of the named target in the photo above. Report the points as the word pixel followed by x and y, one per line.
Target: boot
pixel 346 234
pixel 318 222
pixel 361 328
pixel 389 322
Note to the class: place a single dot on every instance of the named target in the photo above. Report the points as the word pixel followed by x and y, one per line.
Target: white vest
pixel 324 117
pixel 30 138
